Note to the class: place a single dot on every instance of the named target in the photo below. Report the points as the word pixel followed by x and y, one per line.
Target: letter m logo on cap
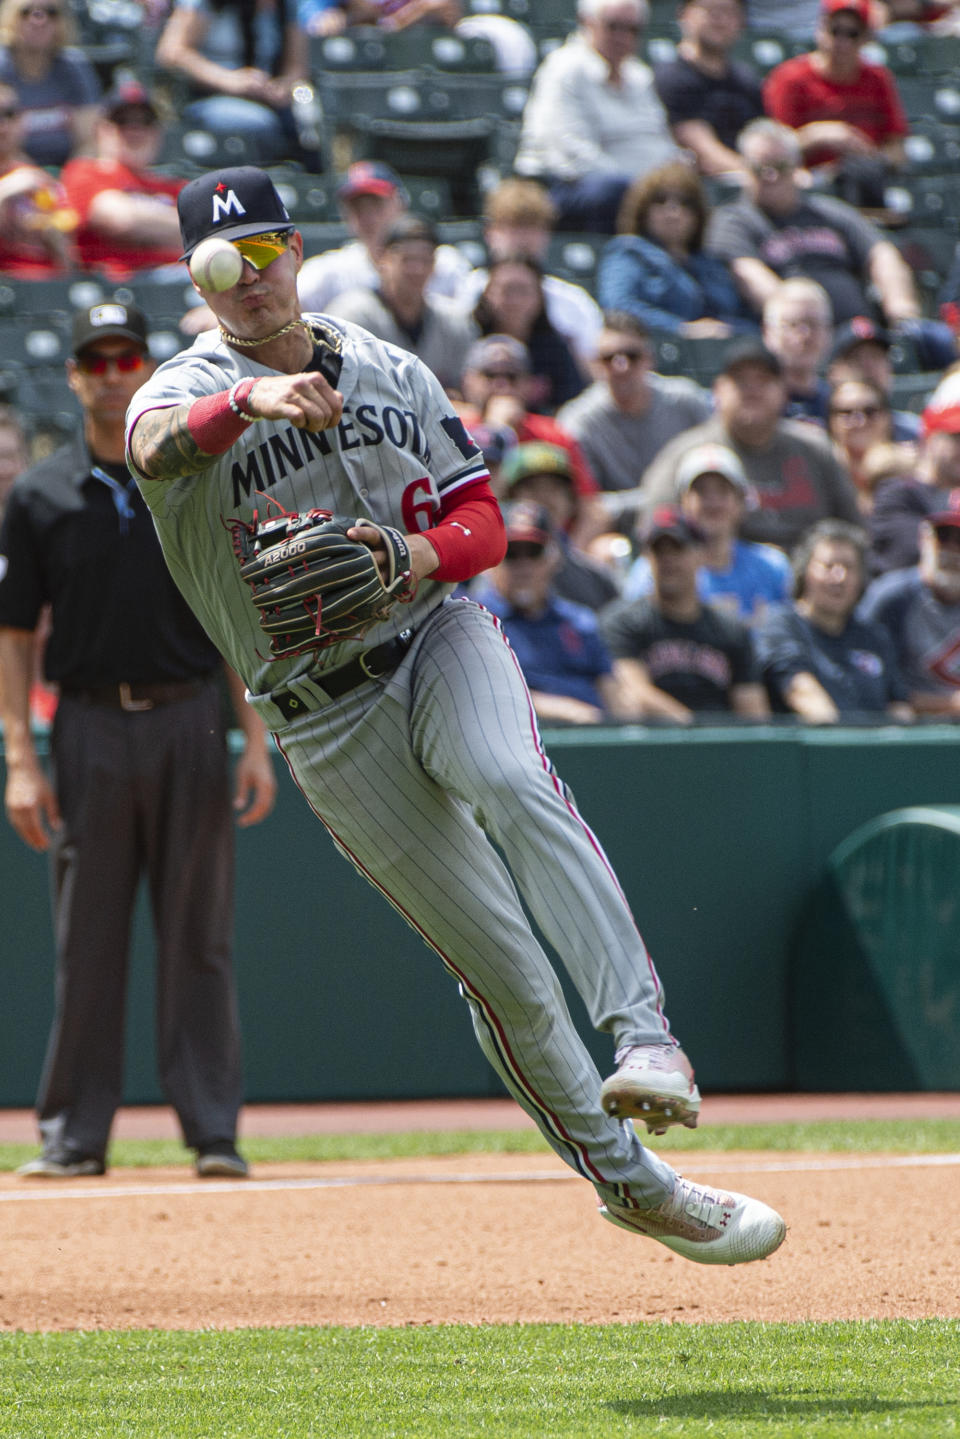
pixel 223 207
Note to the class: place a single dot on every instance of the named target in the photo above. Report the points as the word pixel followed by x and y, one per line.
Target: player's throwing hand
pixel 308 401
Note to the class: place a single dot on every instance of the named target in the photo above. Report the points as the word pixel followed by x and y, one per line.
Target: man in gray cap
pixel 738 576
pixel 139 781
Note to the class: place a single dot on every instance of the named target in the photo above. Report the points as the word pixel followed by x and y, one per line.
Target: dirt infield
pixel 470 1239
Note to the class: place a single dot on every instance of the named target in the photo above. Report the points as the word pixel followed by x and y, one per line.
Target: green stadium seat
pixel 933 149
pixel 457 151
pixel 767 49
pixel 575 257
pixel 307 197
pixel 390 95
pixel 59 296
pixel 912 391
pixel 929 200
pixel 359 49
pixel 929 250
pixel 698 359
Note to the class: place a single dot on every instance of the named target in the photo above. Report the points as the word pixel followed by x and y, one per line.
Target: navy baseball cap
pixel 861 330
pixel 668 522
pixel 231 204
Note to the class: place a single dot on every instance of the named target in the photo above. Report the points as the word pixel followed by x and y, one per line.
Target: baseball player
pixel 415 743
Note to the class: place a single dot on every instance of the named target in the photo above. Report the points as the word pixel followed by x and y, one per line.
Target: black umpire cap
pixel 231 204
pixel 108 321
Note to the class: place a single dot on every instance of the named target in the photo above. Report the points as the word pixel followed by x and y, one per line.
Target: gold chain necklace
pixel 235 340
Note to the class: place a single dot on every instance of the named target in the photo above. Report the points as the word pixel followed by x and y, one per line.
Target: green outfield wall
pixel 723 840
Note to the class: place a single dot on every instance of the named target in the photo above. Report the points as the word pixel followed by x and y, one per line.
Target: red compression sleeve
pixel 470 536
pixel 215 423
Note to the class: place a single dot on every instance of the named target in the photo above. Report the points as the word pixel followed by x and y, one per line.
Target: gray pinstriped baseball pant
pixel 414 779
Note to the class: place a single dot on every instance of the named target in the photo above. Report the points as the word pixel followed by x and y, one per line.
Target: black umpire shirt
pixel 77 535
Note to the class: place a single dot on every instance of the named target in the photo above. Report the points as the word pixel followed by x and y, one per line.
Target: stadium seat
pixel 929 251
pixel 575 257
pixel 764 50
pixel 59 296
pixel 932 149
pixel 40 344
pixel 364 49
pixel 461 152
pixel 396 95
pixel 547 18
pixel 359 49
pixel 197 149
pixel 911 391
pixel 307 197
pixel 698 359
pixel 922 55
pixel 926 98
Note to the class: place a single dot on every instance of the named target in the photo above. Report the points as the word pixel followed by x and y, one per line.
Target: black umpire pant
pixel 142 792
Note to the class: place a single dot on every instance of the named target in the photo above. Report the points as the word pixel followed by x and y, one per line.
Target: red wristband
pixel 215 422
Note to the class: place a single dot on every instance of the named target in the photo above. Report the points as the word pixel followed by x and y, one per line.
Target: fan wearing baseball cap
pixel 543 473
pixel 844 110
pixel 789 464
pixel 920 608
pixel 399 308
pixel 738 576
pixel 126 211
pixel 680 657
pixel 371 198
pixel 558 646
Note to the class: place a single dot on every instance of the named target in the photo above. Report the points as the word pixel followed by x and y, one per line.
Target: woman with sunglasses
pixel 656 268
pixel 859 419
pixel 57 87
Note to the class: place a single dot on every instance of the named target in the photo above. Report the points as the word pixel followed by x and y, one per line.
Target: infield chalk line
pixel 347 1181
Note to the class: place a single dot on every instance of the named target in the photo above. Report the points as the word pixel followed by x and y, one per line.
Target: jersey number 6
pixel 420 506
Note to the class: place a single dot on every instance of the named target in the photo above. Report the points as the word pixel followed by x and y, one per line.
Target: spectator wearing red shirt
pixel 846 113
pixel 127 214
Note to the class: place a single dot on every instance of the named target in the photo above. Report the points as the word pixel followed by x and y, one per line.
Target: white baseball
pixel 216 265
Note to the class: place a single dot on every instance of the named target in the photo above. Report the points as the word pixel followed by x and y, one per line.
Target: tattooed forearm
pixel 163 447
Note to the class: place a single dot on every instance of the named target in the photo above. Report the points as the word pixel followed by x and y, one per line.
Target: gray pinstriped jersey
pixel 398 450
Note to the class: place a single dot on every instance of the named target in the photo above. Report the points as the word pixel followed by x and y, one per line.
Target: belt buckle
pixel 127 701
pixel 403 639
pixel 370 674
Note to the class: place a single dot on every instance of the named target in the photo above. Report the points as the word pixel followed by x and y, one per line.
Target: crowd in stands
pixel 721 501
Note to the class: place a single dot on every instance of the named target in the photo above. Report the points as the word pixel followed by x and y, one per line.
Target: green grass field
pixel 730 1381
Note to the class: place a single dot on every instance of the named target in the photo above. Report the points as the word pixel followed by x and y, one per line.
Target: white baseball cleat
pixel 653 1082
pixel 709 1226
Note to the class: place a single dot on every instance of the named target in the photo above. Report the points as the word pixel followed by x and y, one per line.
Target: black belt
pixel 134 697
pixel 371 665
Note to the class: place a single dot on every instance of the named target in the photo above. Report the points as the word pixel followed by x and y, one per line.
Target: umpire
pixel 139 779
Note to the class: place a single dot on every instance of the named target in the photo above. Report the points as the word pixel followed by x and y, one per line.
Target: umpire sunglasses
pixel 262 250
